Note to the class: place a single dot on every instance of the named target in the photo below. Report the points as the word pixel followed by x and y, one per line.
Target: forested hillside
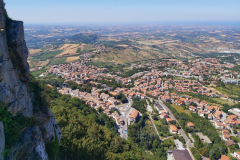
pixel 87 134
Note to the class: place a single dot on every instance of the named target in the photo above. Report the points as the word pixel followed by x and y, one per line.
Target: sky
pixel 122 11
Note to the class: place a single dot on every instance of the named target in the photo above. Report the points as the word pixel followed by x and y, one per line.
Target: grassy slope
pixel 37 73
pixel 181 110
pixel 230 90
pixel 49 55
pixel 58 61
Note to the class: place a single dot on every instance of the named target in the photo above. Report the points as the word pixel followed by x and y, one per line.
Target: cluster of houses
pixel 97 99
pixel 151 85
pixel 148 84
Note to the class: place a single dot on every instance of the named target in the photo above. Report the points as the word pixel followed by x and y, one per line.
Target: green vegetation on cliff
pixel 13 126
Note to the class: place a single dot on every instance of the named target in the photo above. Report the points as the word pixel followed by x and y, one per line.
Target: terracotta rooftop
pixel 224 157
pixel 190 124
pixel 173 128
pixel 134 114
pixel 169 119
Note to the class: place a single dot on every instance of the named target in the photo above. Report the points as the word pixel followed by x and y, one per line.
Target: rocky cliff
pixel 17 96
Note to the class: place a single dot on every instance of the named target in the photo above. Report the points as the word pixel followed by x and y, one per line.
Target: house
pixel 113 101
pixel 209 109
pixel 210 116
pixel 164 115
pixel 237 155
pixel 169 120
pixel 201 113
pixel 133 117
pixel 112 107
pixel 224 157
pixel 191 125
pixel 226 137
pixel 65 90
pixel 104 96
pixel 200 106
pixel 114 93
pixel 218 114
pixel 173 129
pixel 229 143
pixel 192 108
pixel 176 154
pixel 220 125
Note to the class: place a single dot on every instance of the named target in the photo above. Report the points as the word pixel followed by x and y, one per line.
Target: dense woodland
pixel 139 105
pixel 144 135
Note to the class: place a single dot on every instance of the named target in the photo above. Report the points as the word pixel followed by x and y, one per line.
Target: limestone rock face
pixel 18 50
pixel 49 126
pixel 13 92
pixel 17 96
pixel 2 140
pixel 30 146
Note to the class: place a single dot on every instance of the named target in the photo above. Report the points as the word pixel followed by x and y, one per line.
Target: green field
pixel 37 73
pixel 230 90
pixel 181 109
pixel 57 61
pixel 224 101
pixel 49 55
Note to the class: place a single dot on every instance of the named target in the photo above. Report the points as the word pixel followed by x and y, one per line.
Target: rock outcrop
pixel 2 140
pixel 18 97
pixel 30 146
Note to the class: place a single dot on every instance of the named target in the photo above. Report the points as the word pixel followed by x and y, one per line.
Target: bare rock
pixel 30 146
pixel 2 140
pixel 18 50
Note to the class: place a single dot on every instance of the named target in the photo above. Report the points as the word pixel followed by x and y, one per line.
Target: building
pixel 173 129
pixel 169 120
pixel 220 125
pixel 229 143
pixel 224 157
pixel 191 125
pixel 226 137
pixel 113 101
pixel 237 155
pixel 177 154
pixel 133 117
pixel 192 108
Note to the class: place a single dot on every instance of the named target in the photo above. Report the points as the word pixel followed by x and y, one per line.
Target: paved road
pixel 166 109
pixel 188 142
pixel 124 110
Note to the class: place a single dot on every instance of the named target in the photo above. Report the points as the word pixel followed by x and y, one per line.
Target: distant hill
pixel 84 38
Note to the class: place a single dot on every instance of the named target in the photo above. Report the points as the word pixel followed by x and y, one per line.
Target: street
pixel 188 142
pixel 124 110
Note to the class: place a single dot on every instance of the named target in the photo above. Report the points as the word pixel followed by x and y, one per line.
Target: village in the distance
pixel 183 83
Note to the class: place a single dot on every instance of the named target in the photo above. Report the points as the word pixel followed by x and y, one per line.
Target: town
pixel 166 86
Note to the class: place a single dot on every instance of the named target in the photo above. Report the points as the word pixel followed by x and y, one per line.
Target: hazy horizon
pixel 106 11
pixel 165 23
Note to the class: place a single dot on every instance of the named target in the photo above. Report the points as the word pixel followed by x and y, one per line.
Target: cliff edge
pixel 17 96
